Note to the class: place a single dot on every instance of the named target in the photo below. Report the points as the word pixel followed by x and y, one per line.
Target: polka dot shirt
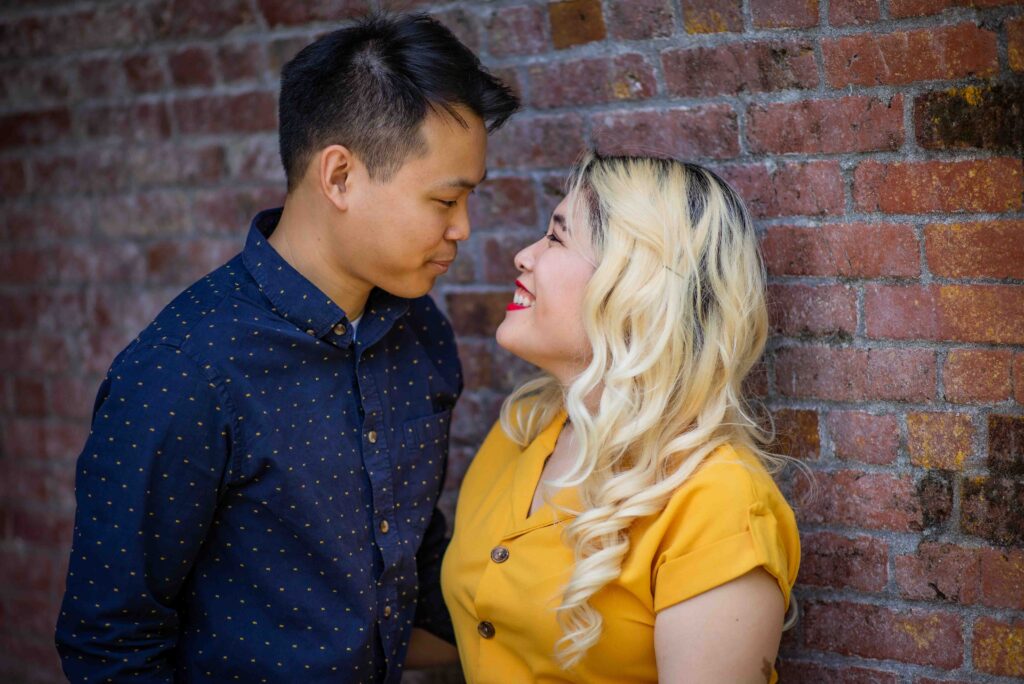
pixel 257 495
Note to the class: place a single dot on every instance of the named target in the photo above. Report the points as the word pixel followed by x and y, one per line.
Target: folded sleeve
pixel 726 520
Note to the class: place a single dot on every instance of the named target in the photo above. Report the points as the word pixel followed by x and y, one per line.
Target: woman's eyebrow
pixel 559 220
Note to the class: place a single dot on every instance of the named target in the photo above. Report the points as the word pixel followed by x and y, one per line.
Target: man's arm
pixel 433 637
pixel 147 486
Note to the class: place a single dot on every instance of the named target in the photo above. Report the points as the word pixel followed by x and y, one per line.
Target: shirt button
pixel 486 630
pixel 372 437
pixel 311 332
pixel 339 329
pixel 499 554
pixel 384 527
pixel 387 611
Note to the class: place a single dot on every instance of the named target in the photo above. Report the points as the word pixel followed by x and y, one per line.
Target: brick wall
pixel 878 143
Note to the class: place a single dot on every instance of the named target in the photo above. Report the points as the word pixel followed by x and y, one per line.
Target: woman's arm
pixel 728 634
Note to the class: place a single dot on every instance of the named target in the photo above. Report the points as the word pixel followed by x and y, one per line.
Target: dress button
pixel 486 629
pixel 499 554
pixel 384 527
pixel 372 437
pixel 387 611
pixel 339 329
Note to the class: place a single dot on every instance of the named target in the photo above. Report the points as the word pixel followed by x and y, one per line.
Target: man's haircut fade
pixel 369 86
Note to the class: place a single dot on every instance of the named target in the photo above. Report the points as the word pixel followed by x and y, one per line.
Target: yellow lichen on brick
pixel 999 649
pixel 923 635
pixel 708 21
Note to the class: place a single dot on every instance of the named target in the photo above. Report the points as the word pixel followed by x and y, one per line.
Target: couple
pixel 257 496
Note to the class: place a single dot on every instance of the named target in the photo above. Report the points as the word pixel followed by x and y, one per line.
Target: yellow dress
pixel 503 572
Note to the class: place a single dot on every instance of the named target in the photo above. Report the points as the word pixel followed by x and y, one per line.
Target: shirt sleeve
pixel 147 485
pixel 726 520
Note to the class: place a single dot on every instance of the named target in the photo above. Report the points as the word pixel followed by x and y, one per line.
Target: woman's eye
pixel 448 203
pixel 551 237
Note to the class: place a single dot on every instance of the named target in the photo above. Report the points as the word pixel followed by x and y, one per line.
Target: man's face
pixel 402 233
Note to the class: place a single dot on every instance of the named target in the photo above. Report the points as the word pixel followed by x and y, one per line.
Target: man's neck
pixel 301 240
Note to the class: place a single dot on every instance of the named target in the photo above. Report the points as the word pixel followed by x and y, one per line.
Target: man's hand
pixel 426 650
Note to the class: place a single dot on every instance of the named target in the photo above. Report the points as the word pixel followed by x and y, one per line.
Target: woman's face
pixel 544 323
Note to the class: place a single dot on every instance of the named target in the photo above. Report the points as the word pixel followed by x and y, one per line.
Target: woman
pixel 620 523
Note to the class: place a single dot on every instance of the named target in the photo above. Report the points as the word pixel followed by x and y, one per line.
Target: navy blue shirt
pixel 257 495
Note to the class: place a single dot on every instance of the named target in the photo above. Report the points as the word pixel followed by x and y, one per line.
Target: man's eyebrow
pixel 462 183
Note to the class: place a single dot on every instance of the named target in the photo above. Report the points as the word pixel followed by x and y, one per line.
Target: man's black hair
pixel 369 86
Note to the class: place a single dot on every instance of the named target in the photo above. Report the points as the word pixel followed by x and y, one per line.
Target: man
pixel 257 497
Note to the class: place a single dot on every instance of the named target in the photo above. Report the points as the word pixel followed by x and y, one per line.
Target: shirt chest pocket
pixel 420 468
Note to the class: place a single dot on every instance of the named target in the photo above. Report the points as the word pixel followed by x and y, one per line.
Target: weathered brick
pixel 473 416
pixel 907 56
pixel 940 440
pixel 1002 578
pixel 875 501
pixel 864 437
pixel 284 13
pixel 35 128
pixel 181 262
pixel 203 19
pixel 682 132
pixel 100 77
pixel 796 433
pixel 784 13
pixel 993 509
pixel 805 672
pixel 1006 444
pixel 853 12
pixel 909 635
pixel 789 188
pixel 464 24
pixel 712 16
pixel 989 117
pixel 988 185
pixel 477 313
pixel 591 81
pixel 850 124
pixel 508 201
pixel 977 375
pixel 855 374
pixel 499 250
pixel 808 311
pixel 517 30
pixel 575 22
pixel 999 646
pixel 739 68
pixel 857 250
pixel 13 179
pixel 144 73
pixel 241 62
pixel 1015 42
pixel 833 560
pixel 225 211
pixel 986 249
pixel 919 8
pixel 639 19
pixel 966 313
pixel 191 66
pixel 939 571
pixel 26 85
pixel 144 214
pixel 1018 377
pixel 142 122
pixel 537 141
pixel 251 112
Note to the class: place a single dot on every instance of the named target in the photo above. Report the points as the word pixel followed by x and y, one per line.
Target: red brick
pixel 100 77
pixel 29 569
pixel 796 433
pixel 904 57
pixel 191 67
pixel 832 560
pixel 204 19
pixel 144 214
pixel 43 530
pixel 591 81
pixel 538 141
pixel 739 68
pixel 990 117
pixel 999 646
pixel 799 672
pixel 988 249
pixel 23 266
pixel 807 311
pixel 241 62
pixel 473 416
pixel 855 374
pixel 75 398
pixel 283 13
pixel 977 375
pixel 1006 444
pixel 900 9
pixel 504 202
pixel 43 352
pixel 29 396
pixel 987 185
pixel 940 440
pixel 789 188
pixel 27 85
pixel 1002 578
pixel 864 437
pixel 1018 377
pixel 909 635
pixel 575 22
pixel 993 508
pixel 251 112
pixel 784 13
pixel 853 12
pixel 864 250
pixel 181 262
pixel 640 19
pixel 465 25
pixel 682 132
pixel 874 501
pixel 13 181
pixel 224 211
pixel 756 382
pixel 498 253
pixel 966 313
pixel 850 124
pixel 1015 43
pixel 939 571
pixel 712 16
pixel 477 313
pixel 144 73
pixel 35 128
pixel 140 122
pixel 517 30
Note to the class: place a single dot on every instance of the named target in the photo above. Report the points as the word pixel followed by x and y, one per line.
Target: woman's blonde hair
pixel 676 317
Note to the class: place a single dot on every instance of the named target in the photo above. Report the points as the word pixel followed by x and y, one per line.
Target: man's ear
pixel 337 164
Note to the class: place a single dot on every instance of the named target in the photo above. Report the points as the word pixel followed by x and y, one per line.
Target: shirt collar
pixel 297 299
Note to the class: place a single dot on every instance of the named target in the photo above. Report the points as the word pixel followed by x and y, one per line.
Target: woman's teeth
pixel 521 299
